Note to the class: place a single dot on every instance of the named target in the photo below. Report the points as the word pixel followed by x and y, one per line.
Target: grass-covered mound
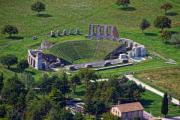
pixel 84 50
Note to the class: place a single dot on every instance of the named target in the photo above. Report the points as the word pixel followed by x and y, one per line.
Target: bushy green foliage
pixel 166 35
pixel 166 6
pixel 79 116
pixel 144 24
pixel 75 80
pixel 162 22
pixel 124 3
pixel 38 7
pixel 10 29
pixel 8 60
pixel 111 92
pixel 59 114
pixel 57 98
pixel 109 116
pixel 38 109
pixel 13 89
pixel 60 82
pixel 22 65
pixel 86 75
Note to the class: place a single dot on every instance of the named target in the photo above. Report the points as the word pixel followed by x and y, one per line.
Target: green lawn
pixel 136 68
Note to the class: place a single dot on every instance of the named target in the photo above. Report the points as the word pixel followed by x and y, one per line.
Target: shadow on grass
pixel 150 34
pixel 146 103
pixel 15 37
pixel 128 8
pixel 171 14
pixel 174 32
pixel 44 15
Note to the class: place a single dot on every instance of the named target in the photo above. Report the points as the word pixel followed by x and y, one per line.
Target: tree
pixel 79 116
pixel 164 107
pixel 12 90
pixel 166 7
pixel 8 60
pixel 87 75
pixel 162 22
pixel 144 25
pixel 75 80
pixel 57 98
pixel 166 36
pixel 99 108
pixel 64 84
pixel 124 3
pixel 1 81
pixel 38 7
pixel 22 65
pixel 38 109
pixel 109 116
pixel 2 111
pixel 9 29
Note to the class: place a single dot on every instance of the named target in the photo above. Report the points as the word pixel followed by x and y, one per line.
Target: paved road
pixel 138 82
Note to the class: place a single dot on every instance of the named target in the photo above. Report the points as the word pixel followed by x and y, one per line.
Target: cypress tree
pixel 1 81
pixel 164 108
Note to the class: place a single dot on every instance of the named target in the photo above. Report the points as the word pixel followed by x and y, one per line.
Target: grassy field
pixel 87 50
pixel 152 104
pixel 166 80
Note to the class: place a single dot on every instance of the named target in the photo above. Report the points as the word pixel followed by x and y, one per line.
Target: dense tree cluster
pixel 110 92
pixel 46 99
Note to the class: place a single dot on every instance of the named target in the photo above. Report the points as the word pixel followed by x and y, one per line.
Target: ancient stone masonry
pixel 35 59
pixel 135 49
pixel 103 32
pixel 42 61
pixel 45 45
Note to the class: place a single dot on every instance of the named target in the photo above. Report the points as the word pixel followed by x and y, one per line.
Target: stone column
pixel 112 36
pixel 34 63
pixel 98 31
pixel 91 27
pixel 94 29
pixel 105 31
pixel 30 61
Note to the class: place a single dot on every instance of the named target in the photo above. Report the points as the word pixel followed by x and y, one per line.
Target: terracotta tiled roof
pixel 129 107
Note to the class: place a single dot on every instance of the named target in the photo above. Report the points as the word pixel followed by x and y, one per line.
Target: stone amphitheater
pixel 132 50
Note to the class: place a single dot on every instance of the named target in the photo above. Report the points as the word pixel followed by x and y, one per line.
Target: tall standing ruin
pixel 103 32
